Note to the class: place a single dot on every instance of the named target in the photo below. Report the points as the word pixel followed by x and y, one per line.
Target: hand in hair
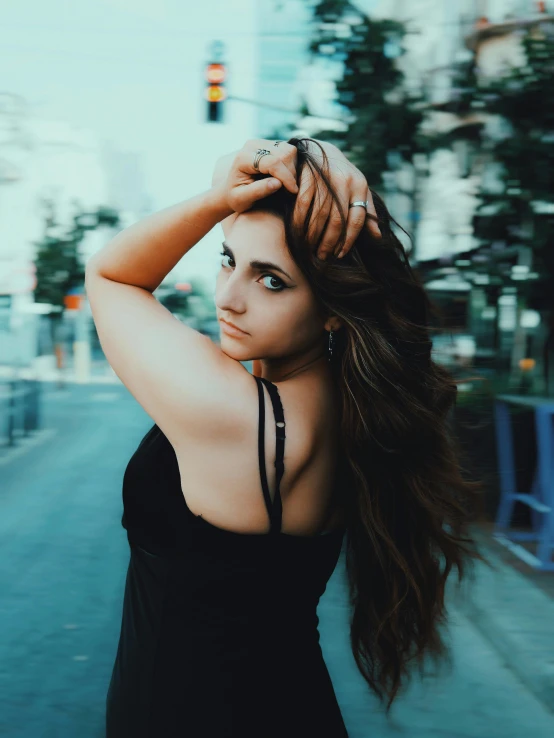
pixel 349 184
pixel 241 185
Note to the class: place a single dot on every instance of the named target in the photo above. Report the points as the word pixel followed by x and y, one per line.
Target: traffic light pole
pixel 269 106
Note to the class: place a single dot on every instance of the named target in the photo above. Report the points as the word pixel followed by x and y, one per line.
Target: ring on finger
pixel 363 204
pixel 259 154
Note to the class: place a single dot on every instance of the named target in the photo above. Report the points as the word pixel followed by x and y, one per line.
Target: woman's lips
pixel 231 330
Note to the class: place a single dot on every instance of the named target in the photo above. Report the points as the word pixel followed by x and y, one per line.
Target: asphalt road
pixel 62 569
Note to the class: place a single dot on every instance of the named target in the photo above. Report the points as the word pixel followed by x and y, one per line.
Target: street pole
pixel 81 346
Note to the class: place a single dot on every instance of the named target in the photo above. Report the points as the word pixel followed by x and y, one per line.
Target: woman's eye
pixel 276 288
pixel 225 256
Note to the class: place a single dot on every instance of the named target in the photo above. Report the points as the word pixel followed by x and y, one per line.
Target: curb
pixel 69 378
pixel 515 617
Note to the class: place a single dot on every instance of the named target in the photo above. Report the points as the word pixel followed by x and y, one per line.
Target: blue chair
pixel 541 497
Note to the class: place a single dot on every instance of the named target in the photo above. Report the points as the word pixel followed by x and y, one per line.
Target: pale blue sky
pixel 132 70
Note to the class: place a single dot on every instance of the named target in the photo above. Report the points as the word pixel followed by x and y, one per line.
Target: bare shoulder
pixel 220 477
pixel 184 381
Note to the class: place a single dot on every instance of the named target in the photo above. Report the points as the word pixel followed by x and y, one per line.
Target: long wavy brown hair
pixel 408 507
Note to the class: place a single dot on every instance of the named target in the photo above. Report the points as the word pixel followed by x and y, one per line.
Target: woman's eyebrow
pixel 259 265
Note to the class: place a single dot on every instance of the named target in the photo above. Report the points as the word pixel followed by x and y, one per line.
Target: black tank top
pixel 219 633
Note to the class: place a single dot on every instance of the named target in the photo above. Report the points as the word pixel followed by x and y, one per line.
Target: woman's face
pixel 276 309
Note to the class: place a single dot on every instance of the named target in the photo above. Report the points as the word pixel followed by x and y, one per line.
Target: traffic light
pixel 215 91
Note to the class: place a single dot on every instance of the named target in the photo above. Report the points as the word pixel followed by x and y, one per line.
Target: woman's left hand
pixel 351 186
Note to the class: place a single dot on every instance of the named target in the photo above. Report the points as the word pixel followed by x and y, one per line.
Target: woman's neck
pixel 314 361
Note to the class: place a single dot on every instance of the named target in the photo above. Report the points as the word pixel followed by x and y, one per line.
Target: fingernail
pixel 341 254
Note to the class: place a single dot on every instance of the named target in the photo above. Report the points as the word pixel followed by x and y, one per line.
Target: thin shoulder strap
pixel 275 508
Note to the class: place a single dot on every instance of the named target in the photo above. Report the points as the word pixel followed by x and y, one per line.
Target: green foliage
pixel 175 301
pixel 59 265
pixel 384 118
pixel 524 98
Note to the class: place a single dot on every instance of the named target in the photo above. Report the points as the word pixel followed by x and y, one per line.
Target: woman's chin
pixel 232 353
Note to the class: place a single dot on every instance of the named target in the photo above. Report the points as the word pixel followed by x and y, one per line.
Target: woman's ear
pixel 333 323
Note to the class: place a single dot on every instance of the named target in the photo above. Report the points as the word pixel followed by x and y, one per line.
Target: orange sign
pixel 526 364
pixel 73 302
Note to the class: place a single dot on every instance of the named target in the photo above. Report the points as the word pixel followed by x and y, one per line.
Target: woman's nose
pixel 230 296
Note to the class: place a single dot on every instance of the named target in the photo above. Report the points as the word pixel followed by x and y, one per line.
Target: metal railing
pixel 20 409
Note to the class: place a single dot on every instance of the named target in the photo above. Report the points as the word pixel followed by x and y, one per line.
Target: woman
pixel 234 532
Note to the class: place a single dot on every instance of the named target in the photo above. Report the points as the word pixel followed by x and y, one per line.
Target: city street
pixel 62 569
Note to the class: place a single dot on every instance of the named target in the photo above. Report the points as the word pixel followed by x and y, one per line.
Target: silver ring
pixel 361 203
pixel 259 154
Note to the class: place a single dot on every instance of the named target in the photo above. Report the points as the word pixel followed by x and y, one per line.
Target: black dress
pixel 219 633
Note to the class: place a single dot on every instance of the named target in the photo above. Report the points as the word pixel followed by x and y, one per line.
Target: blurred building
pixel 444 40
pixel 41 159
pixel 126 187
pixel 283 27
pixel 49 160
pixel 295 92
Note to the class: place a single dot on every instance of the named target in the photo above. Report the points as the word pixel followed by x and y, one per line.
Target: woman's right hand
pixel 241 185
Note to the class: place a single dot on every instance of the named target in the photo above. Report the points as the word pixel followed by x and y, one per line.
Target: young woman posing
pixel 233 531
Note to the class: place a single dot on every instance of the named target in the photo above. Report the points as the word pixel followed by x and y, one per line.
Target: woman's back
pixel 221 481
pixel 219 633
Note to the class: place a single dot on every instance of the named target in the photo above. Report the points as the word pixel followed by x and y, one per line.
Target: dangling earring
pixel 331 345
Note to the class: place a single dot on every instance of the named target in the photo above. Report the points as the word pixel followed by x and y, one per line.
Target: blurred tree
pixel 517 205
pixel 187 299
pixel 58 261
pixel 175 300
pixel 384 117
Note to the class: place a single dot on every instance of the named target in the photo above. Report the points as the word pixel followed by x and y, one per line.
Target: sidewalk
pixel 100 373
pixel 513 608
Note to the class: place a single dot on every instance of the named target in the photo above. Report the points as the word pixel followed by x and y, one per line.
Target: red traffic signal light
pixel 215 74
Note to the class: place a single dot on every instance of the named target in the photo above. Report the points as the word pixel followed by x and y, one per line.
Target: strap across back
pixel 275 507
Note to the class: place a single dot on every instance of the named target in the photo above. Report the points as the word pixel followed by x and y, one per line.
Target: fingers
pixel 372 224
pixel 281 171
pixel 281 163
pixel 357 219
pixel 354 191
pixel 329 244
pixel 325 223
pixel 312 197
pixel 242 198
pixel 305 196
